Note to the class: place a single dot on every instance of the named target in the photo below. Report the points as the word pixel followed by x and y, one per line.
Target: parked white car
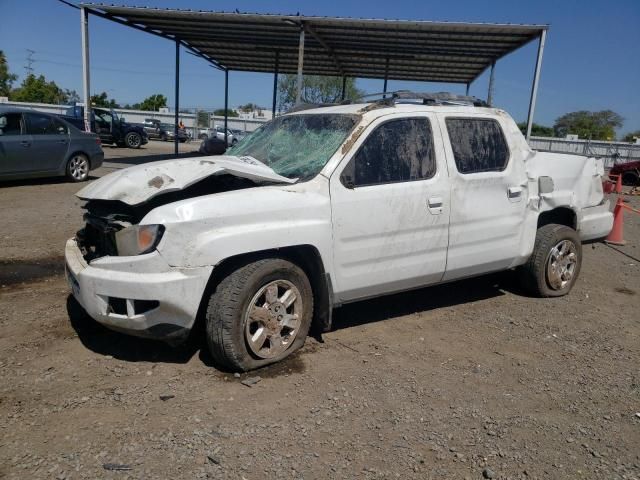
pixel 323 207
pixel 218 131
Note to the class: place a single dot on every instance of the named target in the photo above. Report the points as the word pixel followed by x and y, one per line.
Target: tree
pixel 102 101
pixel 631 136
pixel 71 96
pixel 153 103
pixel 6 78
pixel 593 125
pixel 315 89
pixel 220 113
pixel 536 130
pixel 37 89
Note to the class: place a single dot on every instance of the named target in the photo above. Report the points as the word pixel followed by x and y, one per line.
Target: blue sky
pixel 591 57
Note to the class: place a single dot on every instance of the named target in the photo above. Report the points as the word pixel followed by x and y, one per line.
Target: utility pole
pixel 30 61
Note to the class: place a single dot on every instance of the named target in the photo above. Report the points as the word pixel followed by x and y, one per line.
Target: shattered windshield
pixel 297 146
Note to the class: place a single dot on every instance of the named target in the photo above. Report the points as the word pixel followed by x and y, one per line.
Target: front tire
pixel 78 168
pixel 133 140
pixel 259 314
pixel 554 265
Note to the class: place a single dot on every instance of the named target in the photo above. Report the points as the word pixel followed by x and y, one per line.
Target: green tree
pixel 593 125
pixel 71 96
pixel 220 113
pixel 248 107
pixel 536 130
pixel 631 136
pixel 101 101
pixel 315 89
pixel 6 78
pixel 37 89
pixel 153 103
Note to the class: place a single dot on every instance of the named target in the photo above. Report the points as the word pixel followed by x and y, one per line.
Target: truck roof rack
pixel 387 99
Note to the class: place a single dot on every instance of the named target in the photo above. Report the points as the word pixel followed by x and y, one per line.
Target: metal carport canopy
pixel 425 51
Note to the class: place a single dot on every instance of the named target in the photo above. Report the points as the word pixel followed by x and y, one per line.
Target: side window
pixel 38 124
pixel 396 151
pixel 58 128
pixel 10 124
pixel 478 145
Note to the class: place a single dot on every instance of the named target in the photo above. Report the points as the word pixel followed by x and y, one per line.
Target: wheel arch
pixel 560 215
pixel 305 256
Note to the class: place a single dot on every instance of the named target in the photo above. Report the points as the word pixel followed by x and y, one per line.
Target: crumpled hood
pixel 138 184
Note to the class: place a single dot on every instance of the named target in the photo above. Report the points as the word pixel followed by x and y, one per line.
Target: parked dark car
pixel 111 128
pixel 212 146
pixel 163 131
pixel 630 172
pixel 35 144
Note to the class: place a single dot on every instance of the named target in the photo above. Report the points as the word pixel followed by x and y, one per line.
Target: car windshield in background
pixel 297 146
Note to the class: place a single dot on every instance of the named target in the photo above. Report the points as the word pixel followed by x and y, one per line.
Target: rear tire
pixel 78 168
pixel 554 265
pixel 259 314
pixel 133 140
pixel 631 179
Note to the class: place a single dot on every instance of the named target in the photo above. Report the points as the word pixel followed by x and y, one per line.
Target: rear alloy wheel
pixel 78 168
pixel 133 140
pixel 259 314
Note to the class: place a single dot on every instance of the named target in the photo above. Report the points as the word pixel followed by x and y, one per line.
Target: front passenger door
pixel 15 145
pixel 390 209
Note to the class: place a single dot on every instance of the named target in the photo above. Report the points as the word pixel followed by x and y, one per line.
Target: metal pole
pixel 275 84
pixel 300 66
pixel 344 88
pixel 467 91
pixel 534 88
pixel 386 75
pixel 86 81
pixel 226 104
pixel 177 100
pixel 490 92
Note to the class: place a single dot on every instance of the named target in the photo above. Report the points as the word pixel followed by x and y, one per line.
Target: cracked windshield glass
pixel 297 146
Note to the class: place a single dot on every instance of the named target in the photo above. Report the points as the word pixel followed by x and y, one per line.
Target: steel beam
pixel 467 90
pixel 344 88
pixel 386 76
pixel 275 84
pixel 534 87
pixel 300 66
pixel 490 91
pixel 226 104
pixel 86 77
pixel 177 100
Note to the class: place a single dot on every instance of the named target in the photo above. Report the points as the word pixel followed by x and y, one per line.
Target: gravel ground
pixel 468 380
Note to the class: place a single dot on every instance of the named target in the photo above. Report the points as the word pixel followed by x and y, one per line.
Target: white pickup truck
pixel 326 206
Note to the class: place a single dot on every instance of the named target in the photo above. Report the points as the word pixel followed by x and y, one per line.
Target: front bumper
pixel 595 223
pixel 169 296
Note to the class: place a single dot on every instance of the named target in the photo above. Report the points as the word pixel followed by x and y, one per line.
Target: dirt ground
pixel 458 381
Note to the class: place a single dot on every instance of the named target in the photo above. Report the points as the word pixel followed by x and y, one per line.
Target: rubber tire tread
pixel 533 273
pixel 225 308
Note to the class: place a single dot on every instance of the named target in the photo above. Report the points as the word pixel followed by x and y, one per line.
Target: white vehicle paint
pixel 369 240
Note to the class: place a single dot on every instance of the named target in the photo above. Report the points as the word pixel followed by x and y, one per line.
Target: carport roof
pixel 354 47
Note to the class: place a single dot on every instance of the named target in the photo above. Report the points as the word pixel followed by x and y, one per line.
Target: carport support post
pixel 86 94
pixel 226 104
pixel 490 92
pixel 300 66
pixel 275 84
pixel 534 88
pixel 467 90
pixel 386 77
pixel 344 87
pixel 177 100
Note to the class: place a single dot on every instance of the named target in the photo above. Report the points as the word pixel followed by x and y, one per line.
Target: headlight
pixel 138 239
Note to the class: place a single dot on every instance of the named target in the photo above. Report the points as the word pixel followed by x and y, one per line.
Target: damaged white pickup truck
pixel 326 206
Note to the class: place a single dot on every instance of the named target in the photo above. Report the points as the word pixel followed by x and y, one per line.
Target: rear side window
pixel 44 125
pixel 396 151
pixel 478 145
pixel 10 124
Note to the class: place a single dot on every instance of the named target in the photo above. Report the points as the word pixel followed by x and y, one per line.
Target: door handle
pixel 24 143
pixel 434 204
pixel 514 193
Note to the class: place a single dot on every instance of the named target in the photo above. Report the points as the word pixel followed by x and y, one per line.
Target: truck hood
pixel 140 183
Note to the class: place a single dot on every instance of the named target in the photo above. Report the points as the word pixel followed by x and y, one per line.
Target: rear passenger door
pixel 488 195
pixel 390 209
pixel 50 142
